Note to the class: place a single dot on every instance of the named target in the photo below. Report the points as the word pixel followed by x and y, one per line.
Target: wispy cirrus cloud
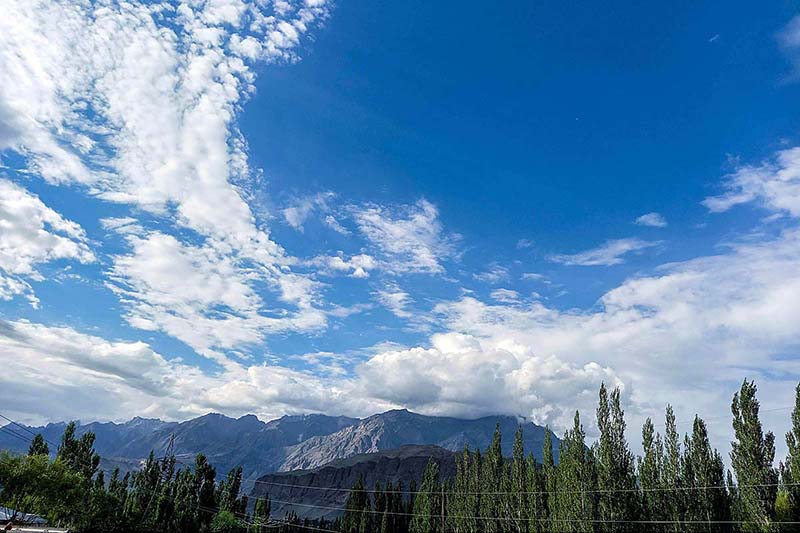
pixel 409 238
pixel 608 254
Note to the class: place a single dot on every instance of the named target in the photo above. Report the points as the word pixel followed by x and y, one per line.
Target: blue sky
pixel 289 207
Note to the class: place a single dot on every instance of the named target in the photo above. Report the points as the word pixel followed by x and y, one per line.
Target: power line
pixel 528 519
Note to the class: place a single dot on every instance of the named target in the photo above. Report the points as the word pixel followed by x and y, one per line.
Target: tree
pixel 574 509
pixel 650 474
pixel 752 455
pixel 261 513
pixel 791 468
pixel 707 498
pixel 671 498
pixel 356 518
pixel 550 482
pixel 79 454
pixel 38 446
pixel 491 483
pixel 205 483
pixel 517 498
pixel 616 479
pixel 427 514
pixel 37 485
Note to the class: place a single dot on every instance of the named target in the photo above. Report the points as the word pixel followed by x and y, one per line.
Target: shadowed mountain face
pixel 287 443
pixel 320 492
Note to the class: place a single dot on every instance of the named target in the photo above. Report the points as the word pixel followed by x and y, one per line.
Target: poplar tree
pixel 427 513
pixel 492 475
pixel 517 499
pixel 574 510
pixel 550 478
pixel 536 500
pixel 752 455
pixel 791 468
pixel 615 466
pixel 38 446
pixel 650 475
pixel 706 495
pixel 670 496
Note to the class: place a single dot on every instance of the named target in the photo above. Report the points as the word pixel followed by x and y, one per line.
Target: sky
pixel 282 207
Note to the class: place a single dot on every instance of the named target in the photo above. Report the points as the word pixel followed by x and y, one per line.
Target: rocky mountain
pixel 287 443
pixel 393 429
pixel 320 492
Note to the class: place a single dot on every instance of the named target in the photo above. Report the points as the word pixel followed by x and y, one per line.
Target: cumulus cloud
pixel 653 220
pixel 31 233
pixel 410 238
pixel 608 254
pixel 774 184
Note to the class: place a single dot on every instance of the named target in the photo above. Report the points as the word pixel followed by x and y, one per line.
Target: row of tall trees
pixel 71 490
pixel 676 485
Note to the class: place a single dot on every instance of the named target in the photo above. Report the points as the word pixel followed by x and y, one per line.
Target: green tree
pixel 650 475
pixel 752 455
pixel 790 472
pixel 427 512
pixel 670 497
pixel 704 480
pixel 491 483
pixel 35 484
pixel 574 509
pixel 356 518
pixel 261 513
pixel 38 446
pixel 550 482
pixel 205 484
pixel 516 500
pixel 615 466
pixel 78 453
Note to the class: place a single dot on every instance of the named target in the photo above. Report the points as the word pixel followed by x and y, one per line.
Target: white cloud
pixel 296 215
pixel 358 266
pixel 31 234
pixel 774 184
pixel 534 276
pixel 202 296
pixel 653 220
pixel 507 296
pixel 395 300
pixel 410 238
pixel 524 243
pixel 137 102
pixel 495 274
pixel 608 254
pixel 789 40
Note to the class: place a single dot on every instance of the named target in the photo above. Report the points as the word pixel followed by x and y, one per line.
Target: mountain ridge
pixel 291 442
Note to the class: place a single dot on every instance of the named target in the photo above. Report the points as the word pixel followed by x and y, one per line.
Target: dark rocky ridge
pixel 311 489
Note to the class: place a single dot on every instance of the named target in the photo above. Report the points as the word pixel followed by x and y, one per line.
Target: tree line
pixel 71 490
pixel 676 485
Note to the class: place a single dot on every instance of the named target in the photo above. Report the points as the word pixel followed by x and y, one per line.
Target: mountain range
pixel 296 442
